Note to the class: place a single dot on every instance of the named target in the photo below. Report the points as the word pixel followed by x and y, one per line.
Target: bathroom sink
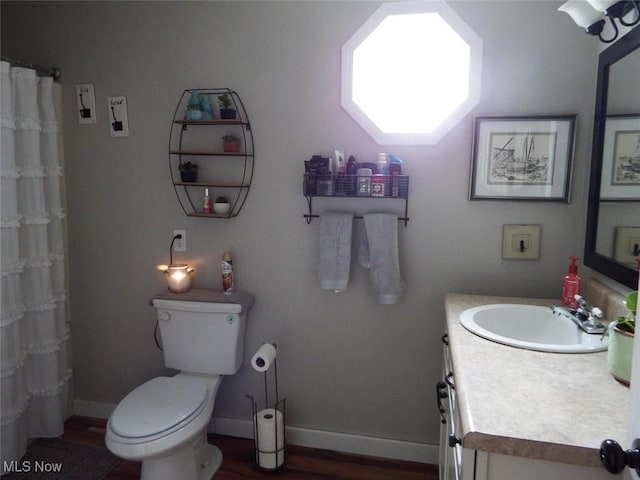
pixel 532 327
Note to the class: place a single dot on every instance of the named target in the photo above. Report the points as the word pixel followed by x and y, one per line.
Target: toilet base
pixel 197 460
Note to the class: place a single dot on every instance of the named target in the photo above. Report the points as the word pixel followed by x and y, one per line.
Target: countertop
pixel 548 406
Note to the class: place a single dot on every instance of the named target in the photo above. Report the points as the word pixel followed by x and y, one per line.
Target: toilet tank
pixel 203 330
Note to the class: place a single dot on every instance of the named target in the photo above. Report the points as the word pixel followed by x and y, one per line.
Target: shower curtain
pixel 34 332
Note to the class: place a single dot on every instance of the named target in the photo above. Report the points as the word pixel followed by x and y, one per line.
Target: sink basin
pixel 532 327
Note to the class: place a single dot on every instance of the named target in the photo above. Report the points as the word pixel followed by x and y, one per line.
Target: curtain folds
pixel 35 370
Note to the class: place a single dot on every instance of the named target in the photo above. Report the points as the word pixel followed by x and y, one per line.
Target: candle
pixel 178 277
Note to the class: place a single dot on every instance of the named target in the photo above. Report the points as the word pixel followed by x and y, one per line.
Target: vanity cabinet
pixel 223 171
pixel 459 463
pixel 509 413
pixel 520 414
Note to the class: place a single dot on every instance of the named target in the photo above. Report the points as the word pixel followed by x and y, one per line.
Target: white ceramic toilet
pixel 163 422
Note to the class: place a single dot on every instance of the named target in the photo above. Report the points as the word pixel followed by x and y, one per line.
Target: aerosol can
pixel 227 273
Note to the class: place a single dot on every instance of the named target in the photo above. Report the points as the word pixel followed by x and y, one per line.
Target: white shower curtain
pixel 34 332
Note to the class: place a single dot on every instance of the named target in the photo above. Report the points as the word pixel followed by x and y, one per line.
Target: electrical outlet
pixel 521 242
pixel 180 244
pixel 627 245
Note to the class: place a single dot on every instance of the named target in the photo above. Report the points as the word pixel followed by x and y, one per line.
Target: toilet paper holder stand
pixel 279 405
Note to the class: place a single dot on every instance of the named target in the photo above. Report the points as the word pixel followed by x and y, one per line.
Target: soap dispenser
pixel 571 285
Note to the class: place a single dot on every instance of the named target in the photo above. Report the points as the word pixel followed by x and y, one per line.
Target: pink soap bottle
pixel 571 285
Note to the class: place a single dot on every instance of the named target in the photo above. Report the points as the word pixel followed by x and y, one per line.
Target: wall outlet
pixel 627 245
pixel 180 244
pixel 521 242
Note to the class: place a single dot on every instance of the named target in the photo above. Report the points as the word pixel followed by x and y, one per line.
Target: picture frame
pixel 522 158
pixel 620 179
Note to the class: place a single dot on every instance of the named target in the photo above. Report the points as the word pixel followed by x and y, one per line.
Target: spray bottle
pixel 227 273
pixel 571 285
pixel 207 205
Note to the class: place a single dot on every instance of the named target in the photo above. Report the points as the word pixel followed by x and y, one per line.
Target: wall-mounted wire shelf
pixel 349 186
pixel 224 173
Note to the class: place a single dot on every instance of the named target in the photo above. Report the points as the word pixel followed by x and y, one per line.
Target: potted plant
pixel 221 206
pixel 188 172
pixel 621 337
pixel 226 113
pixel 231 143
pixel 193 108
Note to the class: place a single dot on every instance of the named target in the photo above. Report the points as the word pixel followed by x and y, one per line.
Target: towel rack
pixel 337 186
pixel 310 218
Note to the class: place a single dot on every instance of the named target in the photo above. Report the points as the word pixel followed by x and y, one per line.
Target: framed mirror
pixel 612 242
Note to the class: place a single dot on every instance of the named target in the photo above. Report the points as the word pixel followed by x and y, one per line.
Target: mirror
pixel 612 242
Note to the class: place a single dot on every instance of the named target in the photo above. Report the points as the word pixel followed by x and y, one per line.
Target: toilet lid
pixel 158 405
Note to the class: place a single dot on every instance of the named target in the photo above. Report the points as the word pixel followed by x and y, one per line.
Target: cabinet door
pixel 450 448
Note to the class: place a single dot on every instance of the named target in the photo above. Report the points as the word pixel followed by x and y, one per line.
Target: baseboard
pixel 304 437
pixel 87 408
pixel 340 442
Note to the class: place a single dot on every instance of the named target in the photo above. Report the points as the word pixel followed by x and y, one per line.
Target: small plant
pixel 222 206
pixel 231 143
pixel 188 172
pixel 628 323
pixel 224 100
pixel 188 167
pixel 226 113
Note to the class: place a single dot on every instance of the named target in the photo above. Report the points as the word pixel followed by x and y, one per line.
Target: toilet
pixel 163 422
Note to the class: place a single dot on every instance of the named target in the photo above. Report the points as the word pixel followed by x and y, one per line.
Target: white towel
pixel 335 250
pixel 378 251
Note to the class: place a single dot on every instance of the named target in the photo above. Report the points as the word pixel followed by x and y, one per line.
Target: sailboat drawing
pixel 627 167
pixel 512 165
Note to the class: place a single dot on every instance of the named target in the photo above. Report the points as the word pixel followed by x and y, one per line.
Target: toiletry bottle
pixel 207 205
pixel 395 169
pixel 227 273
pixel 382 164
pixel 339 164
pixel 352 169
pixel 571 285
pixel 364 182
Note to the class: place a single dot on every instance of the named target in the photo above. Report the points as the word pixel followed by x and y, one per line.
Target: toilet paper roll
pixel 264 357
pixel 268 460
pixel 270 433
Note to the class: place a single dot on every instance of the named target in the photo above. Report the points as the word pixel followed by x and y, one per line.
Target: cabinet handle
pixel 614 458
pixel 453 440
pixel 441 392
pixel 449 380
pixel 445 339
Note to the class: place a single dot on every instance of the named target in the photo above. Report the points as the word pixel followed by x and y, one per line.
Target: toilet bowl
pixel 163 422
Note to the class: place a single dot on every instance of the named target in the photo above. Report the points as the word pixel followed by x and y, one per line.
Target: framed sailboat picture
pixel 621 158
pixel 522 158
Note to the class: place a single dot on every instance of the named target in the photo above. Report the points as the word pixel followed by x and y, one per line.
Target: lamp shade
pixel 581 12
pixel 602 5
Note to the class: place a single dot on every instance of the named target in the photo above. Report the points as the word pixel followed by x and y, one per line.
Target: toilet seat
pixel 159 407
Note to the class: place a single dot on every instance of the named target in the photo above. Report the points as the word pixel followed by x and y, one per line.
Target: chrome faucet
pixel 588 319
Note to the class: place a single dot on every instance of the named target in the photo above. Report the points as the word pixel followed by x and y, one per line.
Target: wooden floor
pixel 301 463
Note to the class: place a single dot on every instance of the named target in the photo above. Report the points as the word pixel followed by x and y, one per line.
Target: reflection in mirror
pixel 613 220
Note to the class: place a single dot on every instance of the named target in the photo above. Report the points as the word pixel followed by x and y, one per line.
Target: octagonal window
pixel 411 72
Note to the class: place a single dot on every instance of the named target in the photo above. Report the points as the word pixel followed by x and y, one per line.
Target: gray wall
pixel 346 363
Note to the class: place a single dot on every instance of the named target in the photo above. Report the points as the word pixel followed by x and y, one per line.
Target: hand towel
pixel 378 251
pixel 335 250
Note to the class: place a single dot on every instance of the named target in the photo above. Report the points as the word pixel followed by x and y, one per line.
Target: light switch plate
pixel 627 245
pixel 521 242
